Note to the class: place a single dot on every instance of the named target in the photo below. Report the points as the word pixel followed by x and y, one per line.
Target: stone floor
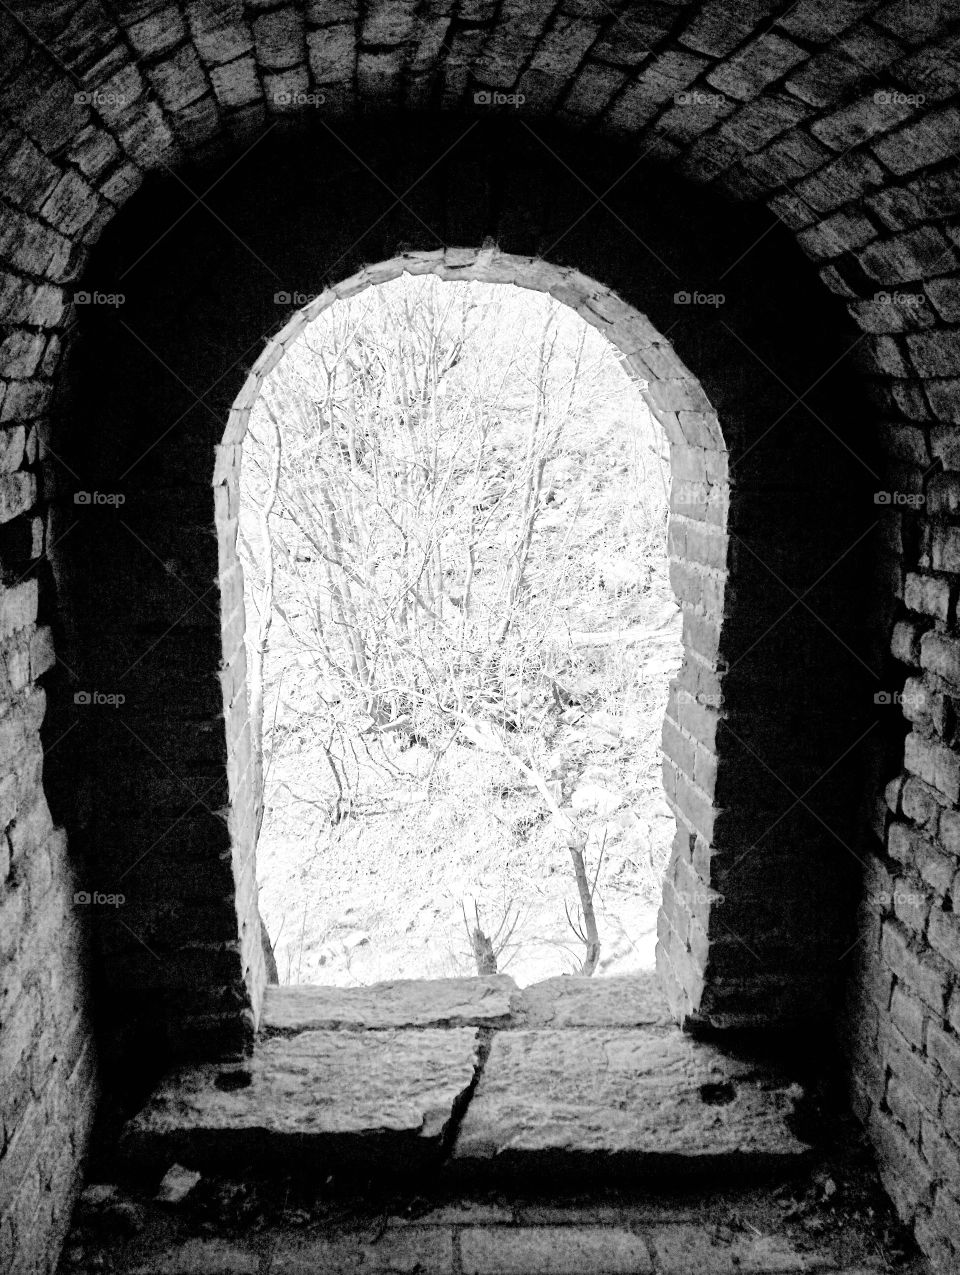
pixel 832 1219
pixel 465 1127
pixel 577 1078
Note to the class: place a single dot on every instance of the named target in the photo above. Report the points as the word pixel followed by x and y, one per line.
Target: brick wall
pixel 48 1075
pixel 746 494
pixel 842 119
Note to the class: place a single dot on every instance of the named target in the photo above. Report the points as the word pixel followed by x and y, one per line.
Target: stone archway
pixel 752 923
pixel 841 119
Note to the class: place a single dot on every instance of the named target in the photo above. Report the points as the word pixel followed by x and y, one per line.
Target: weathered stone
pixel 376 1102
pixel 541 1249
pixel 177 1183
pixel 626 1001
pixel 212 1257
pixel 415 1002
pixel 623 1102
pixel 693 1248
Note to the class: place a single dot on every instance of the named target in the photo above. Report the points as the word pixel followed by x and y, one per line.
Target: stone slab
pixel 544 1250
pixel 341 1102
pixel 633 1000
pixel 681 1249
pixel 191 1256
pixel 418 1251
pixel 414 1002
pixel 565 1104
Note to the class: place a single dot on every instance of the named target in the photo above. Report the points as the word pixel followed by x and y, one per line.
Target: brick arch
pixel 196 312
pixel 701 493
pixel 781 110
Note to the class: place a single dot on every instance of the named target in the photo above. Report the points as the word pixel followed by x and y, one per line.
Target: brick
pixel 847 66
pixel 940 654
pixel 331 52
pixel 17 494
pixel 179 80
pixel 18 607
pixel 920 803
pixel 837 234
pixel 279 38
pixel 944 1048
pixel 158 33
pixel 944 399
pixel 905 643
pixel 720 26
pixel 940 1151
pixel 915 254
pixel 932 138
pixel 756 65
pixel 935 867
pixel 935 353
pixel 524 1250
pixel 906 1176
pixel 944 935
pixel 908 1015
pixel 944 295
pixel 876 113
pixel 847 178
pixel 905 1107
pixel 911 908
pixel 219 30
pixel 924 977
pixel 945 548
pixel 928 595
pixel 946 1214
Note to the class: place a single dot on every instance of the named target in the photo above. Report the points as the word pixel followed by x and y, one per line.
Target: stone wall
pixel 842 119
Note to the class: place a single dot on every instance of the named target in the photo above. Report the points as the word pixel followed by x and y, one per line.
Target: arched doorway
pixel 768 519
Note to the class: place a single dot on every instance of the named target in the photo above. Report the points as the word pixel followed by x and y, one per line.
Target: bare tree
pixel 396 471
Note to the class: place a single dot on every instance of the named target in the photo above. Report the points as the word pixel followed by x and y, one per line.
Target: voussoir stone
pixel 342 1101
pixel 566 1103
pixel 633 1000
pixel 414 1002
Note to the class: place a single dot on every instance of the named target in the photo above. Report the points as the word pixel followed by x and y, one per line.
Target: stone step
pixel 618 1103
pixel 344 1102
pixel 572 1079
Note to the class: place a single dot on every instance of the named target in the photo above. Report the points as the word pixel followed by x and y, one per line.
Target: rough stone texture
pixel 499 1251
pixel 440 1002
pixel 628 1001
pixel 622 1102
pixel 94 99
pixel 468 1238
pixel 690 1248
pixel 374 1102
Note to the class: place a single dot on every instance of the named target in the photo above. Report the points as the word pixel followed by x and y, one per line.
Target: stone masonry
pixel 798 159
